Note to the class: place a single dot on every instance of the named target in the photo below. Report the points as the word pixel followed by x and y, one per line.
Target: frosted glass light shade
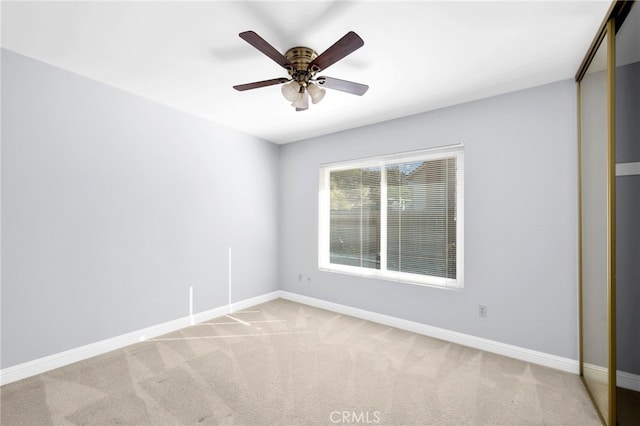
pixel 290 91
pixel 302 102
pixel 316 93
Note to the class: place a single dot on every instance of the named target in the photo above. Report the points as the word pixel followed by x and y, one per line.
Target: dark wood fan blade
pixel 257 84
pixel 342 85
pixel 341 48
pixel 262 45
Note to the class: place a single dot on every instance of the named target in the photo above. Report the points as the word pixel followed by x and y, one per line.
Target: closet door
pixel 628 219
pixel 597 221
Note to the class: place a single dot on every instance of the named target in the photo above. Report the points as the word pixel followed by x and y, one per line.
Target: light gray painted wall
pixel 113 206
pixel 520 218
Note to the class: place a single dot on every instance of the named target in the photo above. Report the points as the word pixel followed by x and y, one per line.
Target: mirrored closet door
pixel 596 228
pixel 627 181
pixel 609 174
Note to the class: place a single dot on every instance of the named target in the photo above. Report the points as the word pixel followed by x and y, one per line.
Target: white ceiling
pixel 417 56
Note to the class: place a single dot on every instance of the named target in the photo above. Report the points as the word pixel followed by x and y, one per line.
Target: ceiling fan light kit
pixel 302 64
pixel 302 102
pixel 315 92
pixel 290 91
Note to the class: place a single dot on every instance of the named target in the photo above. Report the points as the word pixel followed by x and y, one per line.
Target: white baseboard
pixel 628 380
pixel 623 379
pixel 595 373
pixel 253 301
pixel 41 365
pixel 528 355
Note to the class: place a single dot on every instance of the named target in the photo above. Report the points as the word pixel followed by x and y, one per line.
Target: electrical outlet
pixel 482 311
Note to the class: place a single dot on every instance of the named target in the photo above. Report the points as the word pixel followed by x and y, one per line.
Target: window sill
pixel 454 287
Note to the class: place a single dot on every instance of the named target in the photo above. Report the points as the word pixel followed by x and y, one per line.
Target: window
pixel 396 217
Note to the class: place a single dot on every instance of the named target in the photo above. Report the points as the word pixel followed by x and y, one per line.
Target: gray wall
pixel 113 206
pixel 520 219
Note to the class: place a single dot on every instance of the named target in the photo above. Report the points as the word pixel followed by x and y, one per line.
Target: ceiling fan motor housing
pixel 300 57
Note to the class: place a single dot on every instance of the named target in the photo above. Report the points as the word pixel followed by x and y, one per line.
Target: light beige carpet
pixel 283 363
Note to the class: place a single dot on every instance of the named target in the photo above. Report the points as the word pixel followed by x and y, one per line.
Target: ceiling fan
pixel 302 64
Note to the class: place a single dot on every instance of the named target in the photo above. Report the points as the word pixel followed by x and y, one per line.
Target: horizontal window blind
pixel 355 217
pixel 421 217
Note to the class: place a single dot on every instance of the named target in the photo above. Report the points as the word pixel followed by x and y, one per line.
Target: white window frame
pixel 324 202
